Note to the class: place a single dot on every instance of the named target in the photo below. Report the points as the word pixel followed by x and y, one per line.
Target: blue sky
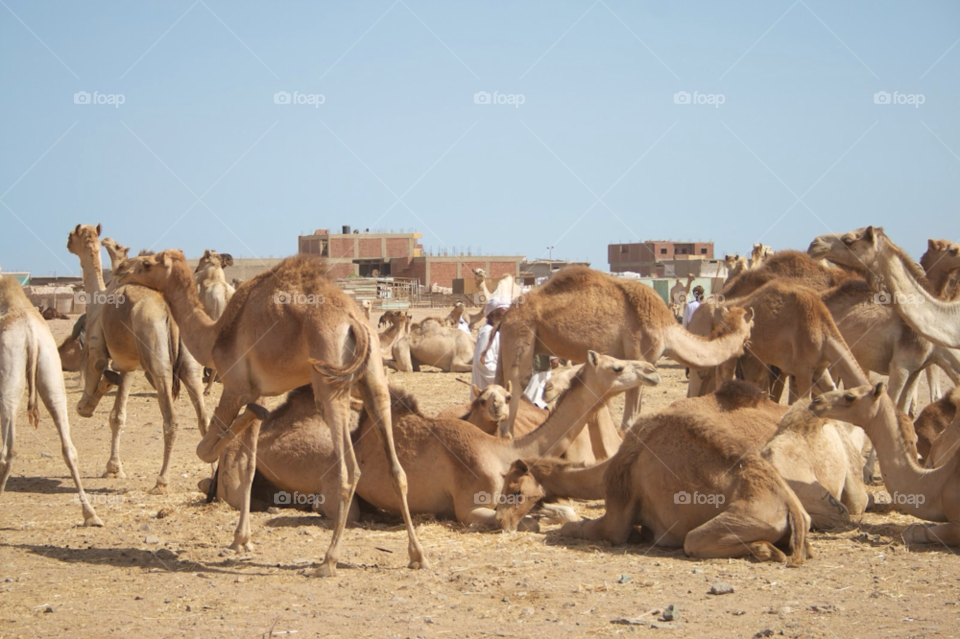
pixel 200 156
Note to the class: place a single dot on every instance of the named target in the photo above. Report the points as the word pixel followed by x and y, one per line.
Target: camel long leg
pixel 908 403
pixel 191 376
pixel 373 389
pixel 948 533
pixel 516 364
pixel 615 525
pixel 165 399
pixel 933 383
pixel 744 529
pixel 897 382
pixel 11 384
pixel 224 425
pixel 54 396
pixel 335 404
pixel 118 418
pixel 247 465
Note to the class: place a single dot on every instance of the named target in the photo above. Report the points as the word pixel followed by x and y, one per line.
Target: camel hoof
pixel 114 474
pixel 204 485
pixel 325 570
pixel 915 534
pixel 572 529
pixel 241 547
pixel 159 489
pixel 93 522
pixel 418 564
pixel 528 524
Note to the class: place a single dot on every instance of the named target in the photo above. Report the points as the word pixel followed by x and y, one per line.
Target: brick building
pixel 646 257
pixel 399 255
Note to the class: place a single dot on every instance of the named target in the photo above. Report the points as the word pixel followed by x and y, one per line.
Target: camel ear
pixel 593 358
pixel 750 315
pixel 509 388
pixel 98 230
pixel 932 244
pixel 879 389
pixel 77 230
pixel 476 390
pixel 227 259
pixel 520 467
pixel 206 253
pixel 869 234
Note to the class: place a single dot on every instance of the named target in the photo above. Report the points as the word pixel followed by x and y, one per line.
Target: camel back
pixel 12 295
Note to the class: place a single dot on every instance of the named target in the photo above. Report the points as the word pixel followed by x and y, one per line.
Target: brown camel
pixel 793 331
pixel 758 254
pixel 580 309
pixel 283 328
pixel 735 265
pixel 792 265
pixel 214 291
pixel 132 326
pixel 455 469
pixel 691 478
pixel 71 349
pixel 28 359
pixel 933 420
pixel 396 323
pixel 118 252
pixel 931 494
pixel 430 343
pixel 907 286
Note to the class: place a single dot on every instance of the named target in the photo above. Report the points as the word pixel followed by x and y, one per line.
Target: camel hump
pixel 342 376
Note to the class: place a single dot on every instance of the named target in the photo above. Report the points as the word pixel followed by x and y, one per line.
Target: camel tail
pixel 33 370
pixel 176 358
pixel 797 522
pixel 343 376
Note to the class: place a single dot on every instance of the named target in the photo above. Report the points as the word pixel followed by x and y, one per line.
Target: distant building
pixel 399 255
pixel 535 270
pixel 659 258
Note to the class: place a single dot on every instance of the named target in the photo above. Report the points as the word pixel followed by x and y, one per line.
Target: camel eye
pixel 847 240
pixel 483 401
pixel 508 397
pixel 618 369
pixel 849 397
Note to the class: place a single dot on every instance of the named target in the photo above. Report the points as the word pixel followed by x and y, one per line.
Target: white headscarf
pixel 495 303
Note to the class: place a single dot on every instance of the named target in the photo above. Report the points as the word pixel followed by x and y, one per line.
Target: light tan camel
pixel 132 326
pixel 455 469
pixel 931 494
pixel 792 265
pixel 214 291
pixel 941 263
pixel 945 446
pixel 431 343
pixel 735 265
pixel 758 254
pixel 397 324
pixel 906 285
pixel 118 252
pixel 71 349
pixel 820 460
pixel 793 331
pixel 933 420
pixel 580 309
pixel 690 478
pixel 283 328
pixel 598 441
pixel 28 359
pixel 679 296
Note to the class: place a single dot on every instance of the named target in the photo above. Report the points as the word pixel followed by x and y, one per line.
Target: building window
pixel 703 251
pixel 624 248
pixel 663 251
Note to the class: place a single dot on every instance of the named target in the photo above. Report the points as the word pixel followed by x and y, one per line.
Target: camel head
pixel 560 380
pixel 213 259
pixel 605 375
pixel 391 318
pixel 494 401
pixel 865 245
pixel 942 254
pixel 520 493
pixel 83 238
pixel 153 271
pixel 832 247
pixel 117 252
pixel 858 405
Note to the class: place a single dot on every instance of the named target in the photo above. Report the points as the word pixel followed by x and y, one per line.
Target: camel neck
pixel 197 330
pixel 92 271
pixel 564 424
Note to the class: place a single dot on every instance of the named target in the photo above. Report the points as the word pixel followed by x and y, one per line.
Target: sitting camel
pixel 214 290
pixel 396 323
pixel 455 470
pixel 690 477
pixel 264 348
pixel 580 309
pixel 929 494
pixel 792 265
pixel 933 421
pixel 735 265
pixel 758 254
pixel 430 343
pixel 28 358
pixel 133 327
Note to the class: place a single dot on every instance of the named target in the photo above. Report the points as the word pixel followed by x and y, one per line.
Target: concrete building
pixel 399 255
pixel 531 272
pixel 647 257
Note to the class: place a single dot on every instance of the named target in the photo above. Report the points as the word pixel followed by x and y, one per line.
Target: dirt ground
pixel 157 568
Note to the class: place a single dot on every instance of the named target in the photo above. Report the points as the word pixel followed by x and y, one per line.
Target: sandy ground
pixel 157 568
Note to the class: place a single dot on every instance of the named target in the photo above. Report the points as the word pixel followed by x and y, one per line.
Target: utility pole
pixel 550 248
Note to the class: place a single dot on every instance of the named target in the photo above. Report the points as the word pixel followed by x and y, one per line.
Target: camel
pixel 29 359
pixel 580 309
pixel 906 284
pixel 735 265
pixel 792 265
pixel 792 330
pixel 71 349
pixel 820 460
pixel 286 327
pixel 679 296
pixel 941 263
pixel 214 291
pixel 51 313
pixel 118 252
pixel 132 326
pixel 691 479
pixel 598 441
pixel 933 421
pixel 397 323
pixel 758 254
pixel 433 344
pixel 455 469
pixel 929 494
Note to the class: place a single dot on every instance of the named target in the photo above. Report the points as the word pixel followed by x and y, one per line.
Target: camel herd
pixel 779 431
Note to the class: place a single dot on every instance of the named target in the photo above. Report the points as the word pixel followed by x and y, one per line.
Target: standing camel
pixel 132 326
pixel 28 358
pixel 580 309
pixel 214 291
pixel 285 327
